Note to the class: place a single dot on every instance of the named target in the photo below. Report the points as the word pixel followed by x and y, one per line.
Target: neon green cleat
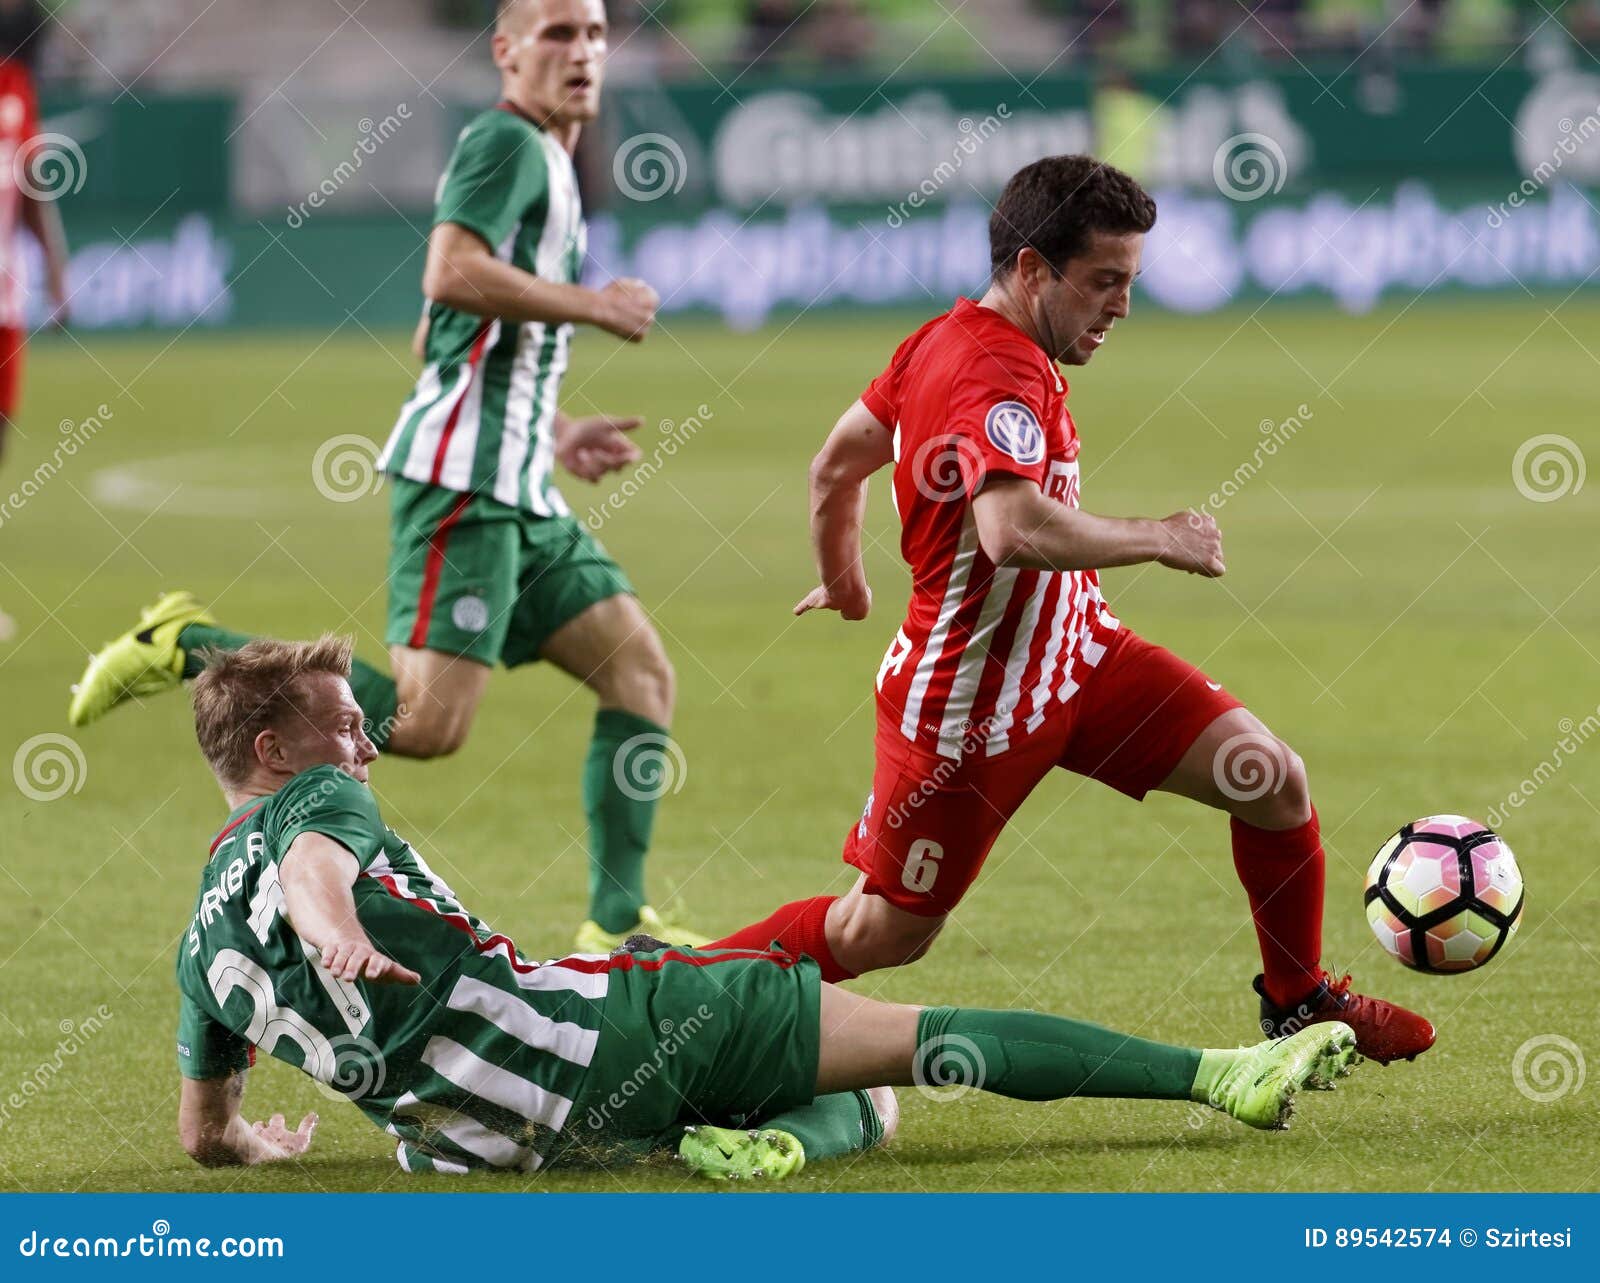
pixel 593 938
pixel 729 1154
pixel 1257 1084
pixel 143 661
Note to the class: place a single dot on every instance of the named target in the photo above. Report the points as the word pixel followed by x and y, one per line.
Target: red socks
pixel 1282 873
pixel 801 927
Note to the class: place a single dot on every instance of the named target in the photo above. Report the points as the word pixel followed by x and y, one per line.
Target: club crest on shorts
pixel 1013 429
pixel 470 613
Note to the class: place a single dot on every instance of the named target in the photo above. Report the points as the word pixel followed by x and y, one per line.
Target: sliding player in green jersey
pixel 487 564
pixel 321 937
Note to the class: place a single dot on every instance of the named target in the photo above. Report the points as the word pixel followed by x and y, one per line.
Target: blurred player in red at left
pixel 23 202
pixel 1009 663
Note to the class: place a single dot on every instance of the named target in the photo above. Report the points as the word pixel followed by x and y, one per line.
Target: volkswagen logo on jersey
pixel 1013 429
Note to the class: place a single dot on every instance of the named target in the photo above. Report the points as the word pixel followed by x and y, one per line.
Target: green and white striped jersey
pixel 476 1067
pixel 482 416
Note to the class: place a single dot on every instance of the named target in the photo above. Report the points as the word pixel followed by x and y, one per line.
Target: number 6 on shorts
pixel 922 866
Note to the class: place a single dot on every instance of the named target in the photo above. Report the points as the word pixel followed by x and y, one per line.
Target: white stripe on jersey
pixel 562 224
pixel 1052 650
pixel 560 1038
pixel 552 975
pixel 456 472
pixel 955 589
pixel 418 463
pixel 441 1165
pixel 969 670
pixel 464 1131
pixel 515 440
pixel 999 738
pixel 475 1075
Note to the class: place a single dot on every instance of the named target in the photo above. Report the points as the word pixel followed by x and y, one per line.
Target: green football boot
pixel 143 661
pixel 1257 1084
pixel 593 938
pixel 731 1154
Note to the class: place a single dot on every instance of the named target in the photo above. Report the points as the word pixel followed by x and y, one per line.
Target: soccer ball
pixel 1444 894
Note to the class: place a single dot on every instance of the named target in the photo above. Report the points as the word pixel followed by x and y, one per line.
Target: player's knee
pixel 639 678
pixel 436 733
pixel 874 941
pixel 1289 804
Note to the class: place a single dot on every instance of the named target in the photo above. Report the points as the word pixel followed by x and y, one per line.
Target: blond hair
pixel 244 692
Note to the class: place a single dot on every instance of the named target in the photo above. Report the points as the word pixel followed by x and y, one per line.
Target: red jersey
pixel 987 654
pixel 18 124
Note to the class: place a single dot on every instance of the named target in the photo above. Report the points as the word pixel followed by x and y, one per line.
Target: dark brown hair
pixel 1054 205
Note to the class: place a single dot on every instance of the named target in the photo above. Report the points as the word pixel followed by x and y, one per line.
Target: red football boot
pixel 1384 1032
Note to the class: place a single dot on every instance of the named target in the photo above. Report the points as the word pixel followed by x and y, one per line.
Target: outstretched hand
pixel 591 447
pixel 275 1141
pixel 362 960
pixel 852 601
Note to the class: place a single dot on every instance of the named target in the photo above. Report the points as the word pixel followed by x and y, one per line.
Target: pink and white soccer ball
pixel 1444 894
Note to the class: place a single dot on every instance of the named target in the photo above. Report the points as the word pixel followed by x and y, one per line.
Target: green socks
pixel 841 1123
pixel 623 778
pixel 198 636
pixel 374 691
pixel 1029 1056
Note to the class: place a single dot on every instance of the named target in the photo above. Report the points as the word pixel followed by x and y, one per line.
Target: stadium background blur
pixel 1364 338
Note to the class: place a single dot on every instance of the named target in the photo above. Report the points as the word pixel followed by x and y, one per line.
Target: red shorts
pixel 930 822
pixel 13 343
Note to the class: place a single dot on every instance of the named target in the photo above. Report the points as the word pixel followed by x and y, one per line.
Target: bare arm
pixel 43 219
pixel 1018 525
pixel 856 448
pixel 419 337
pixel 463 273
pixel 317 874
pixel 215 1134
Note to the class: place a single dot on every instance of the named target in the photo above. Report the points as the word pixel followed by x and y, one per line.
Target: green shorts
pixel 695 1035
pixel 471 576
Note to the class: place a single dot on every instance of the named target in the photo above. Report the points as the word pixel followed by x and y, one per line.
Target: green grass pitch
pixel 1394 608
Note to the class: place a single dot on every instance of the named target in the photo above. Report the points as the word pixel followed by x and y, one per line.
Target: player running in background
pixel 487 564
pixel 22 204
pixel 321 937
pixel 1009 663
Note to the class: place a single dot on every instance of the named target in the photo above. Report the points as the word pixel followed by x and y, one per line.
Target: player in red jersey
pixel 23 203
pixel 21 25
pixel 1009 662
